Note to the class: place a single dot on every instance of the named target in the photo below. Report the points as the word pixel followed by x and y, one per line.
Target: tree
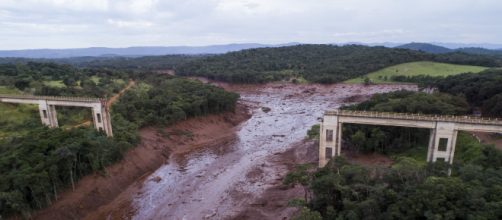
pixel 301 175
pixel 358 139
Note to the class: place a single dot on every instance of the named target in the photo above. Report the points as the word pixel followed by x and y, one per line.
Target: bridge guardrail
pixel 53 98
pixel 422 117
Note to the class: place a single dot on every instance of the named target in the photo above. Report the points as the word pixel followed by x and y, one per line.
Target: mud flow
pixel 203 184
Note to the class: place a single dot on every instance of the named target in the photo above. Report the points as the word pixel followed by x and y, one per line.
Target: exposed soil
pixel 114 98
pixel 272 204
pixel 93 194
pixel 489 138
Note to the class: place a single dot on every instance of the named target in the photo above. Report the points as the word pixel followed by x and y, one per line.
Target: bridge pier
pixel 330 135
pixel 101 119
pixel 48 114
pixel 442 142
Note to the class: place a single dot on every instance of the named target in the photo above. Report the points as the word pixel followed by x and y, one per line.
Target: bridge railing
pixel 421 117
pixel 53 98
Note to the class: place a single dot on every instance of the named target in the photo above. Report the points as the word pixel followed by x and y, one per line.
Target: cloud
pixel 120 23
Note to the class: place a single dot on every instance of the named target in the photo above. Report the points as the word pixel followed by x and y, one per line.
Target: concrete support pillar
pixel 53 116
pixel 101 119
pixel 330 139
pixel 48 114
pixel 442 142
pixel 339 140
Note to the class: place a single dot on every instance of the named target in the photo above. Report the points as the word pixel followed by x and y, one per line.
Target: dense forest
pixel 172 99
pixel 37 163
pixel 56 79
pixel 482 89
pixel 410 188
pixel 315 63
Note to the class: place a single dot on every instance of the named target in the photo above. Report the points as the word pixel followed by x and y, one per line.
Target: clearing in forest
pixel 417 68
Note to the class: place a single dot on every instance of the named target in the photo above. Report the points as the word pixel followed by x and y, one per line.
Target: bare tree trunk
pixel 55 191
pixel 71 178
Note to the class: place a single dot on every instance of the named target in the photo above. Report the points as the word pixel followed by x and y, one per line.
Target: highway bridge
pixel 443 130
pixel 47 108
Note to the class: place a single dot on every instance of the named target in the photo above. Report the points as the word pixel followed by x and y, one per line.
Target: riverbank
pixel 93 193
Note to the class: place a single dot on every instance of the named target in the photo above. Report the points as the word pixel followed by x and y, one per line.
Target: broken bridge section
pixel 47 107
pixel 443 128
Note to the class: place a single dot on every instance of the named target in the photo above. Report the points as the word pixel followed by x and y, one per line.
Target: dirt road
pixel 109 102
pixel 115 97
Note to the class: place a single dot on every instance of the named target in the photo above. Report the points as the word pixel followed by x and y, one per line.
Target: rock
pixel 156 179
pixel 265 109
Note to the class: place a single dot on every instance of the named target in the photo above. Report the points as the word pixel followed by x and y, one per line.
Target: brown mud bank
pixel 273 202
pixel 93 194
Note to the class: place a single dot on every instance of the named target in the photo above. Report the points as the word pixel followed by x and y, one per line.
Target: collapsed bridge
pixel 442 140
pixel 47 108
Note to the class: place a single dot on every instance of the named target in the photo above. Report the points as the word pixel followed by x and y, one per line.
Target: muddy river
pixel 199 185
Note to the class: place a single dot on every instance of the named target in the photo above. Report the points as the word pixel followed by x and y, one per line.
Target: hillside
pixel 426 68
pixel 435 49
pixel 425 47
pixel 315 63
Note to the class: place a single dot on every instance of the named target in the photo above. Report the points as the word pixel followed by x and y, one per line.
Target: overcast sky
pixel 122 23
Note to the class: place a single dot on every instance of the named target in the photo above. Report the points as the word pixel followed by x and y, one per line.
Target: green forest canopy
pixel 316 63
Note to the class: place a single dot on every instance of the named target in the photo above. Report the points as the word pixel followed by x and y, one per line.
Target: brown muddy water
pixel 199 185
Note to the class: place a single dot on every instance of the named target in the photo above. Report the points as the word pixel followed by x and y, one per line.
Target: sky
pixel 28 24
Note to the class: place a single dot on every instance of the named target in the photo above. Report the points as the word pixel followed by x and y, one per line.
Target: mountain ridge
pixel 139 51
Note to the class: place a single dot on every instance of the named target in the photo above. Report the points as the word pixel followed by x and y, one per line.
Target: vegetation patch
pixel 482 90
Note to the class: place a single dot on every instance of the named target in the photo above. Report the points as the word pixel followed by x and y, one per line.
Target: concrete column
pixel 329 139
pixel 43 108
pixel 48 114
pixel 322 145
pixel 53 116
pixel 430 149
pixel 445 139
pixel 101 119
pixel 339 140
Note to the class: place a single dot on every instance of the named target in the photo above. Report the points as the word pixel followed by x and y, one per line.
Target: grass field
pixel 55 83
pixel 8 90
pixel 417 68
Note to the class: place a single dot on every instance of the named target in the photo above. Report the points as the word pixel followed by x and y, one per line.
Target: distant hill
pixel 479 50
pixel 425 47
pixel 132 51
pixel 106 52
pixel 432 48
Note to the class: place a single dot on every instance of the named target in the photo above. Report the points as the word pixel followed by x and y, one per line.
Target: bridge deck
pixel 417 117
pixel 52 98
